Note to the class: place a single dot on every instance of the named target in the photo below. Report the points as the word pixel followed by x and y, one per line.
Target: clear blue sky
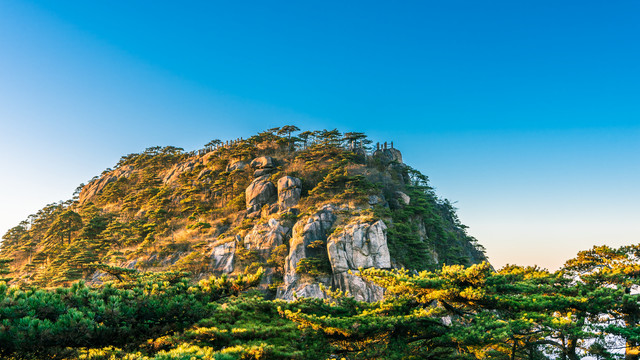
pixel 527 113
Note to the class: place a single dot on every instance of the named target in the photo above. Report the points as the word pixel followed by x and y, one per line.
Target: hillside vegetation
pixel 217 210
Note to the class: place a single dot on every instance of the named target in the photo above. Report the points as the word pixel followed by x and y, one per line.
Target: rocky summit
pixel 311 208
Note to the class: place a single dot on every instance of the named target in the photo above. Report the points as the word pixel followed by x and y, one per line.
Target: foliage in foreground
pixel 590 307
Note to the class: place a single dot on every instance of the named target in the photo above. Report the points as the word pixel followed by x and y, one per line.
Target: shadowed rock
pixel 262 172
pixel 289 191
pixel 260 192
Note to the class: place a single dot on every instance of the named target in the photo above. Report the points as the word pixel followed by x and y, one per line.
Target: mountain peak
pixel 311 207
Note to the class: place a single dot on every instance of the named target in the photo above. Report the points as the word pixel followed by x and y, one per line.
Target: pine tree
pixel 5 269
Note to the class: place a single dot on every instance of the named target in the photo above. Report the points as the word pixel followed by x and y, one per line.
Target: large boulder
pixel 289 191
pixel 265 237
pixel 262 162
pixel 260 192
pixel 359 245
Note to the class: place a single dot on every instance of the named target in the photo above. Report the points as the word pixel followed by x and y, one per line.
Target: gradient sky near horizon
pixel 524 113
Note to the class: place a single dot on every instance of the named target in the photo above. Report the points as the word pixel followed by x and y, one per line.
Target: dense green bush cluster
pixel 45 322
pixel 590 307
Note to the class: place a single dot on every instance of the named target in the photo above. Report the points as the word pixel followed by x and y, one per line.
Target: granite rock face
pixel 289 191
pixel 260 192
pixel 223 256
pixel 359 245
pixel 357 287
pixel 304 288
pixel 304 233
pixel 266 237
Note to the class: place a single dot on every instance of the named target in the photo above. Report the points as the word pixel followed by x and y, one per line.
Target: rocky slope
pixel 311 209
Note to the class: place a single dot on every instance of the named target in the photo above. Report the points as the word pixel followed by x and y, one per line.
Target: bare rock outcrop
pixel 204 174
pixel 289 191
pixel 388 155
pixel 359 245
pixel 262 162
pixel 238 165
pixel 403 197
pixel 95 187
pixel 260 192
pixel 263 165
pixel 265 237
pixel 173 174
pixel 304 233
pixel 304 288
pixel 357 287
pixel 223 256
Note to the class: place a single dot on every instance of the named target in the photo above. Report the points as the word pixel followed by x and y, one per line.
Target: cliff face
pixel 310 209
